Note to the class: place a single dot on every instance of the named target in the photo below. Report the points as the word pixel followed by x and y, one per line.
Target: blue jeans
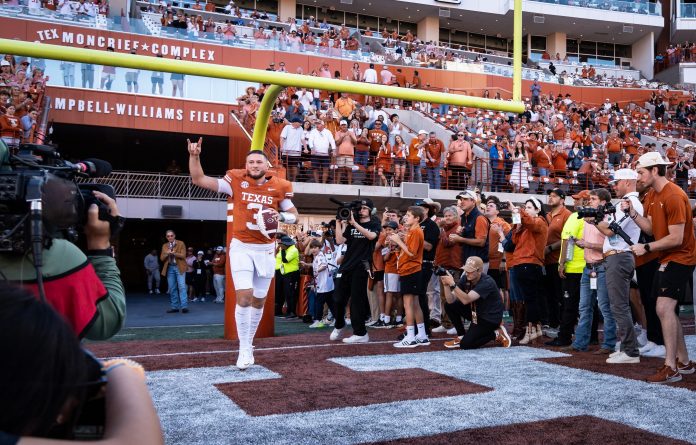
pixel 515 294
pixel 415 173
pixel 177 288
pixel 586 308
pixel 543 171
pixel 434 177
pixel 443 109
pixel 361 157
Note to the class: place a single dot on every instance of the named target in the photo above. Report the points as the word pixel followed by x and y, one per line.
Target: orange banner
pixel 108 109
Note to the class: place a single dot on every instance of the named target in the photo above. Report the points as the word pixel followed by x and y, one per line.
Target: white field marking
pixel 277 348
pixel 123 335
pixel 193 332
pixel 174 326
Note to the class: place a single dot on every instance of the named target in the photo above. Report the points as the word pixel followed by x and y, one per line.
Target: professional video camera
pixel 346 208
pixel 600 212
pixel 40 200
pixel 597 213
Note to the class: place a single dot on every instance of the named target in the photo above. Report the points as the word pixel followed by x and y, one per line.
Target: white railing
pixel 155 185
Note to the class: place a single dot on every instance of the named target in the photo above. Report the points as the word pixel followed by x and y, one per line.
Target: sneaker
pixel 452 331
pixel 405 343
pixel 400 323
pixel 195 300
pixel 647 347
pixel 150 292
pixel 316 324
pixel 219 301
pixel 502 337
pixel 203 299
pixel 434 323
pixel 172 311
pixel 550 332
pixel 658 351
pixel 371 322
pixel 685 369
pixel 439 330
pixel 665 375
pixel 378 325
pixel 617 346
pixel 642 338
pixel 622 358
pixel 244 360
pixel 423 341
pixel 454 343
pixel 357 339
pixel 614 354
pixel 347 320
pixel 335 334
pixel 157 291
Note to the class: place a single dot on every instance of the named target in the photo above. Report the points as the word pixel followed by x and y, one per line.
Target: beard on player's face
pixel 256 174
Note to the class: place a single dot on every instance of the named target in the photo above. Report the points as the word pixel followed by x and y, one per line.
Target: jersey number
pixel 257 208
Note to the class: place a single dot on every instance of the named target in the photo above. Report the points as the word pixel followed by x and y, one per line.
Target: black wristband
pixel 102 252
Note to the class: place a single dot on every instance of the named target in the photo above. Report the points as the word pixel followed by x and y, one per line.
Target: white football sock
pixel 241 318
pixel 421 331
pixel 254 320
pixel 410 333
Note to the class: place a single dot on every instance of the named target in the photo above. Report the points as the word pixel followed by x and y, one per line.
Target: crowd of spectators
pixel 330 137
pixel 22 85
pixel 540 263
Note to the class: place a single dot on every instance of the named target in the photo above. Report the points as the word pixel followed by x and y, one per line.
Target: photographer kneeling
pixel 53 389
pixel 481 292
pixel 86 290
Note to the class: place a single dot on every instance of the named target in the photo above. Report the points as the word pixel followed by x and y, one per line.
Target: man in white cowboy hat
pixel 668 219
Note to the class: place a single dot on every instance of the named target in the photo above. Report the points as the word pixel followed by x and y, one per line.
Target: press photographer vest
pixel 469 231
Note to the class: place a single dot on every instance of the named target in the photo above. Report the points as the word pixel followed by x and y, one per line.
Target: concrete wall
pixel 643 52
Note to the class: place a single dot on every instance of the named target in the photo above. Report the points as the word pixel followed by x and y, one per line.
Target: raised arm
pixel 197 176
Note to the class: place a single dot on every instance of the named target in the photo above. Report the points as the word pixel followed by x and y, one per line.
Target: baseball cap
pixel 200 252
pixel 434 204
pixel 4 63
pixel 624 173
pixel 286 240
pixel 367 203
pixel 297 119
pixel 467 194
pixel 651 159
pixel 391 225
pixel 473 263
pixel 584 194
pixel 219 248
pixel 343 122
pixel 556 191
pixel 422 132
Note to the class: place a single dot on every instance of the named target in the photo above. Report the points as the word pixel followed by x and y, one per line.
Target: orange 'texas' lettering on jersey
pixel 248 198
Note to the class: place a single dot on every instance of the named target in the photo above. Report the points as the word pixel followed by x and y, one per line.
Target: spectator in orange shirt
pixel 415 154
pixel 542 159
pixel 559 160
pixel 529 237
pixel 458 158
pixel 434 150
pixel 409 266
pixel 613 148
pixel 671 152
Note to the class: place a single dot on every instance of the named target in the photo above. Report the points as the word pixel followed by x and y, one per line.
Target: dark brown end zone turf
pixel 580 430
pixel 310 381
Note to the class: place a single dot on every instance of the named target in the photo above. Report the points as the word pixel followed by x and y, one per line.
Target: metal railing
pixel 632 7
pixel 156 186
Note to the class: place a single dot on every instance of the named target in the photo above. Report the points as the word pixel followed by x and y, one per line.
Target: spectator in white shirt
pixel 370 76
pixel 323 145
pixel 323 280
pixel 306 98
pixel 291 147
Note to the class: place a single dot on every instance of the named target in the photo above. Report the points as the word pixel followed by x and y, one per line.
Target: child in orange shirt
pixel 408 267
pixel 391 276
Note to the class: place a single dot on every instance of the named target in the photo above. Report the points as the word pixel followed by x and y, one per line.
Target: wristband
pixel 102 252
pixel 453 287
pixel 110 365
pixel 287 217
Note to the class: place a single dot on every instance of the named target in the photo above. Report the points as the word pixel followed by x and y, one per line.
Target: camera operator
pixel 86 290
pixel 52 381
pixel 620 265
pixel 671 224
pixel 593 282
pixel 480 291
pixel 351 278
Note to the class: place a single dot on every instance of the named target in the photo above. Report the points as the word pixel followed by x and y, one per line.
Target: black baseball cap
pixel 556 191
pixel 391 225
pixel 367 203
